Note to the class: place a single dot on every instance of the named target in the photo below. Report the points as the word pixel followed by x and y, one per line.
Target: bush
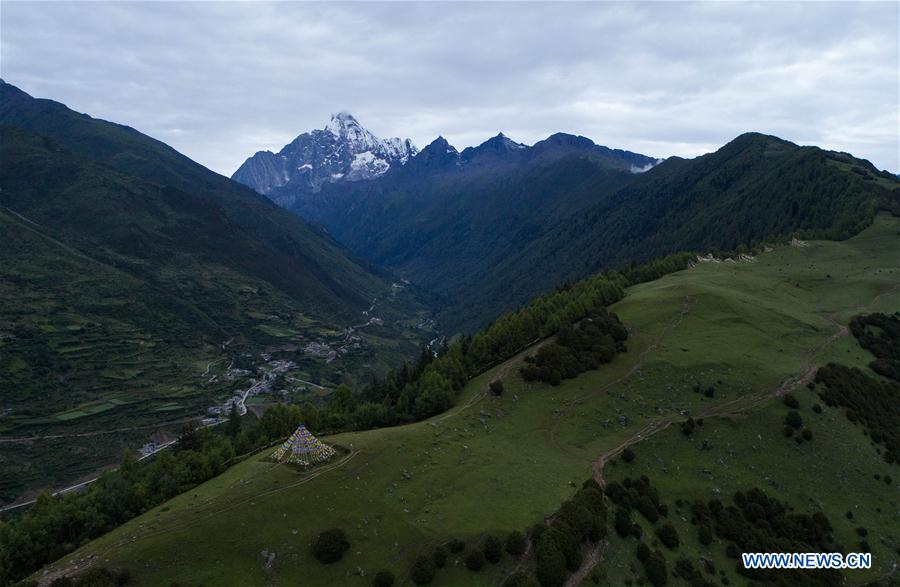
pixel 515 543
pixel 807 434
pixel 704 534
pixel 668 536
pixel 647 508
pixel 550 564
pixel 536 532
pixel 794 420
pixel 423 570
pixel 497 387
pixel 791 401
pixel 330 546
pixel 622 523
pixel 655 568
pixel 628 455
pixel 493 549
pixel 440 557
pixel 817 408
pixel 456 546
pixel 475 560
pixel 642 552
pixel 383 579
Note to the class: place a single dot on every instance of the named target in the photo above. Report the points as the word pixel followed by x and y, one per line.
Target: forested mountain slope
pixel 141 289
pixel 446 216
pixel 486 237
pixel 487 229
pixel 755 188
pixel 305 261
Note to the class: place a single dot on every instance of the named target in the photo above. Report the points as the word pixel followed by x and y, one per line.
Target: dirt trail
pixel 726 409
pixel 587 565
pixel 685 309
pixel 501 373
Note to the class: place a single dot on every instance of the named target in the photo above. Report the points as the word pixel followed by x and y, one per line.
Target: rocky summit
pixel 343 151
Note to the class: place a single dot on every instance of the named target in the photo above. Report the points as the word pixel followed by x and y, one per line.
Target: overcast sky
pixel 220 81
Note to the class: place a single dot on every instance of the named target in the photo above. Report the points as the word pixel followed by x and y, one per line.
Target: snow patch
pixel 644 168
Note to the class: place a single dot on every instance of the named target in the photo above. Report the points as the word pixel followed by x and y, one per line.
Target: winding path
pixel 726 409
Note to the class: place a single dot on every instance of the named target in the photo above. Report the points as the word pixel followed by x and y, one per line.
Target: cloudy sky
pixel 221 80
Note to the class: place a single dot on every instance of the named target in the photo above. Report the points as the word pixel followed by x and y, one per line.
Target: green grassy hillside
pixel 749 330
pixel 140 289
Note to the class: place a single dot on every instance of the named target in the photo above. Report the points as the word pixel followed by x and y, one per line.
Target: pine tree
pixel 233 426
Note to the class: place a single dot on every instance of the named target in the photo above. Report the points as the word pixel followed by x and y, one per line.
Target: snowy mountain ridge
pixel 342 151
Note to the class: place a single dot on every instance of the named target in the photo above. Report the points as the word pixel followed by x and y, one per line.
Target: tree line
pixel 578 347
pixel 880 335
pixel 430 384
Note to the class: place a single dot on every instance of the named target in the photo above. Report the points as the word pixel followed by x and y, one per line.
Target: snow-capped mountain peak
pixel 343 150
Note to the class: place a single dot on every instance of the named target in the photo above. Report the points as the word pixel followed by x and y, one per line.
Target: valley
pixel 720 343
pixel 500 294
pixel 140 289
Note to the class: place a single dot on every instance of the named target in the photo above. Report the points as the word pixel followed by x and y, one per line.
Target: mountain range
pixel 135 276
pixel 342 151
pixel 490 227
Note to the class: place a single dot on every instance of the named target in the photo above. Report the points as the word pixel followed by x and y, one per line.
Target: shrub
pixel 440 557
pixel 550 564
pixel 686 570
pixel 628 455
pixel 622 523
pixel 668 536
pixel 807 434
pixel 330 546
pixel 515 543
pixel 794 420
pixel 704 534
pixel 710 392
pixel 423 570
pixel 123 577
pixel 655 568
pixel 647 508
pixel 456 546
pixel 497 387
pixel 536 532
pixel 475 560
pixel 493 549
pixel 791 401
pixel 642 552
pixel 817 408
pixel 383 579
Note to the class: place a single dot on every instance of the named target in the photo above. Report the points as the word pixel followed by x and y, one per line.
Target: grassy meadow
pixel 497 464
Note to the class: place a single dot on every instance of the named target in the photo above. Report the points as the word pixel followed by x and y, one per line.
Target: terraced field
pixel 78 358
pixel 751 331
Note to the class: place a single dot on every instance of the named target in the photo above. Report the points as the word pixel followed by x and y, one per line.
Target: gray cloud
pixel 221 80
